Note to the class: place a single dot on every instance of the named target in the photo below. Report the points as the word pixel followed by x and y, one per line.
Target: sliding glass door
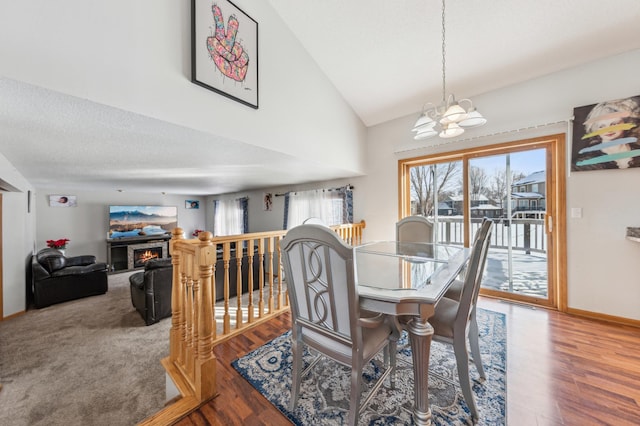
pixel 517 262
pixel 511 184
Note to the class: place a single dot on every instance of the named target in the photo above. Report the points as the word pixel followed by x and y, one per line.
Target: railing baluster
pixel 261 277
pixel 226 255
pixel 250 254
pixel 270 250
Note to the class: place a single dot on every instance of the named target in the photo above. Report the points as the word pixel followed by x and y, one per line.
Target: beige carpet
pixel 87 362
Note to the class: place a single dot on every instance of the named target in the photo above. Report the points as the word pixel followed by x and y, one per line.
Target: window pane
pixel 439 185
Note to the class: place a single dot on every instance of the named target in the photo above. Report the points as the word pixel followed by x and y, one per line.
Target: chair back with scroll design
pixel 326 315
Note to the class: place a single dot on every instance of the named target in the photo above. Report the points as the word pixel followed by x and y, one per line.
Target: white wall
pixel 18 229
pixel 87 224
pixel 136 56
pixel 603 267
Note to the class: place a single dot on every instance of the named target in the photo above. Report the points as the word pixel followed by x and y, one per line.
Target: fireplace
pixel 139 254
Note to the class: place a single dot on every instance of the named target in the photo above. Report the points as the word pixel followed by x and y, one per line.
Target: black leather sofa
pixel 56 278
pixel 151 290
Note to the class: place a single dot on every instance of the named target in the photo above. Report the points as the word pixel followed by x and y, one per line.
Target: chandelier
pixel 449 118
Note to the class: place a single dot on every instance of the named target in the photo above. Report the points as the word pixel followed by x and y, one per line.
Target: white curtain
pixel 227 218
pixel 326 205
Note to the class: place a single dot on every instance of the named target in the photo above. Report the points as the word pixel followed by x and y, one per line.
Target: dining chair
pixel 455 289
pixel 314 221
pixel 454 320
pixel 414 229
pixel 455 292
pixel 326 315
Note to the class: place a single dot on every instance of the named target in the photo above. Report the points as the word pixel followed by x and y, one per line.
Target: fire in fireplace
pixel 141 256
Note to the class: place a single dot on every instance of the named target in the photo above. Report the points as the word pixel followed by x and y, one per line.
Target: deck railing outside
pixel 522 234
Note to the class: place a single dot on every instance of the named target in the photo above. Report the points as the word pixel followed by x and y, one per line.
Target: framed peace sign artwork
pixel 224 50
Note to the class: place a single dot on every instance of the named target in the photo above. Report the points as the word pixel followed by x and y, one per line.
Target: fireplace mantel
pixel 120 250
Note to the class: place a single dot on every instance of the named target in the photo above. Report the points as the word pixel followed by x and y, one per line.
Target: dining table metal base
pixel 420 334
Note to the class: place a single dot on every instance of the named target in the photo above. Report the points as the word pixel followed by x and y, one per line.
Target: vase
pixel 63 250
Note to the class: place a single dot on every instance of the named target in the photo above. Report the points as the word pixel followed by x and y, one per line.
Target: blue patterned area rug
pixel 324 398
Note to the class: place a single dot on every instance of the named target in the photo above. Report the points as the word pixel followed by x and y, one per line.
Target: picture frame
pixel 224 50
pixel 191 204
pixel 63 201
pixel 267 199
pixel 606 135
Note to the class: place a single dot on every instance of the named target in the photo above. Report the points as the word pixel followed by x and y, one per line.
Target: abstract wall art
pixel 224 50
pixel 605 135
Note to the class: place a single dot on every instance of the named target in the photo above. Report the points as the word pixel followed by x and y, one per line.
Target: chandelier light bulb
pixel 424 122
pixel 474 119
pixel 451 130
pixel 425 133
pixel 455 113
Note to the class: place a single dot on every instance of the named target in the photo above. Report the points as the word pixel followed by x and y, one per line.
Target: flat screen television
pixel 138 221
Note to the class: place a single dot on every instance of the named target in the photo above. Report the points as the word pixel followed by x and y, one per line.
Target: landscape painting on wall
pixel 138 221
pixel 605 135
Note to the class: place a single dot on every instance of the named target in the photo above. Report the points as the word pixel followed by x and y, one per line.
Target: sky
pixel 161 210
pixel 526 162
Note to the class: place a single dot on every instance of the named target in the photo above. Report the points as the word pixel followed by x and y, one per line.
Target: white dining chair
pixel 325 310
pixel 414 229
pixel 314 221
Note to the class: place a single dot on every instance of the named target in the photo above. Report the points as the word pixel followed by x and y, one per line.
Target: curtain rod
pixel 347 187
pixel 410 147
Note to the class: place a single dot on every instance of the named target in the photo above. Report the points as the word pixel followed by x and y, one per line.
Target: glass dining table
pixel 407 280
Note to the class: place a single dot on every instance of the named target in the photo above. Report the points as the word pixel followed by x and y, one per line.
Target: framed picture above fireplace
pixel 140 221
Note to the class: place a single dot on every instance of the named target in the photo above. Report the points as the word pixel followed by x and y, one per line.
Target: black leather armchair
pixel 151 290
pixel 56 278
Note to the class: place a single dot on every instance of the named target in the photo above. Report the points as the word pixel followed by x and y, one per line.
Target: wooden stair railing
pixel 198 323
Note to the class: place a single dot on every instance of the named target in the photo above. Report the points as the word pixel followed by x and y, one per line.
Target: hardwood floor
pixel 561 370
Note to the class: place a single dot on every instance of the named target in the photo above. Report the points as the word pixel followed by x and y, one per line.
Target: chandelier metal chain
pixel 449 117
pixel 444 92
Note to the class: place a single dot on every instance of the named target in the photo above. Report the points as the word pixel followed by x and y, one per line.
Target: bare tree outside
pixel 423 184
pixel 499 184
pixel 478 182
pixel 494 186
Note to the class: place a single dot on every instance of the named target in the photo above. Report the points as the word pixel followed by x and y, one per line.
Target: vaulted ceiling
pixel 383 56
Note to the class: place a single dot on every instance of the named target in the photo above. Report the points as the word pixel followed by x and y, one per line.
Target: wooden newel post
pixel 205 366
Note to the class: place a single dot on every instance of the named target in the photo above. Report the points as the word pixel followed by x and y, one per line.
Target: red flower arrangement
pixel 196 232
pixel 58 244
